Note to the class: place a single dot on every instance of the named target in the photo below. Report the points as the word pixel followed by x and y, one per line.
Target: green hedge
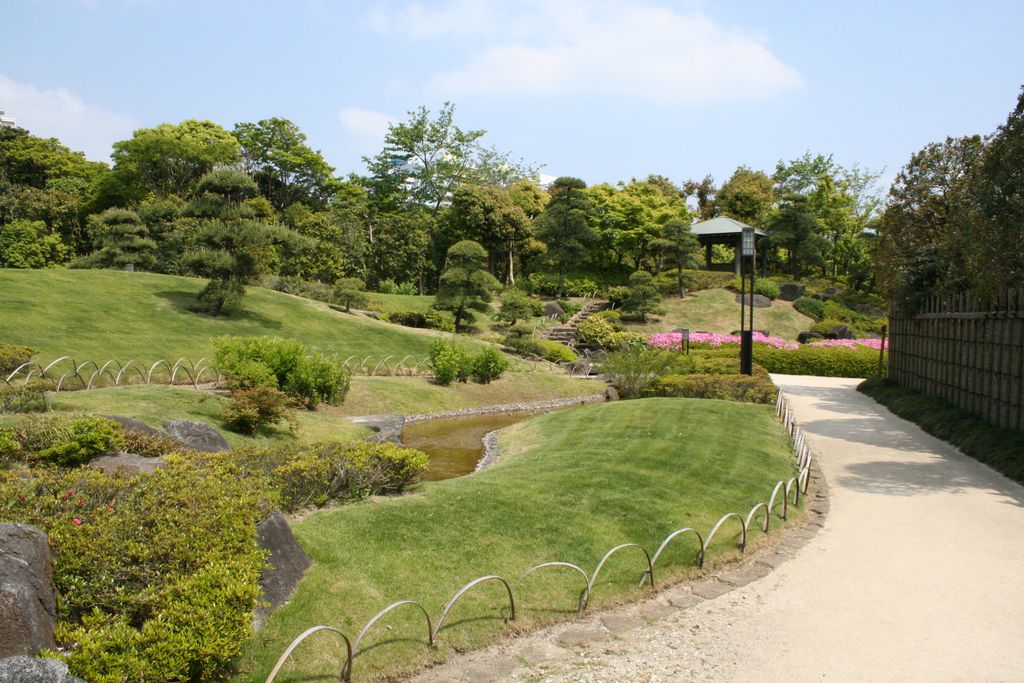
pixel 30 397
pixel 756 388
pixel 1002 449
pixel 823 361
pixel 812 308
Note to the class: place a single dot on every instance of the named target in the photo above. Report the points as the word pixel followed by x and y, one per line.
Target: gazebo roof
pixel 721 226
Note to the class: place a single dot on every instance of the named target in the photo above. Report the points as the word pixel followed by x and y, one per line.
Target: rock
pixel 130 424
pixel 611 393
pixel 129 462
pixel 22 669
pixel 197 436
pixel 808 336
pixel 288 561
pixel 28 604
pixel 791 291
pixel 553 310
pixel 760 301
pixel 839 332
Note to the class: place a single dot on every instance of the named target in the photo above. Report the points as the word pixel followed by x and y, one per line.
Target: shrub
pixel 556 353
pixel 617 295
pixel 514 306
pixel 575 285
pixel 62 439
pixel 762 286
pixel 251 410
pixel 642 297
pixel 571 308
pixel 755 388
pixel 634 369
pixel 442 321
pixel 349 292
pixel 449 362
pixel 249 362
pixel 488 365
pixel 14 355
pixel 376 468
pixel 25 398
pixel 822 361
pixel 812 308
pixel 158 573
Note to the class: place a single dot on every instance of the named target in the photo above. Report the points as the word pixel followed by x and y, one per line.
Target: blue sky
pixel 601 90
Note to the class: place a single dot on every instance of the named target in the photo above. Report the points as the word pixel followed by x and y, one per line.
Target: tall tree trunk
pixel 511 265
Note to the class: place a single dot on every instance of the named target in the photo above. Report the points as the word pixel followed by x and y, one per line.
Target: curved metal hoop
pixel 585 599
pixel 346 671
pixel 103 370
pixel 753 513
pixel 743 528
pixel 784 487
pixel 371 622
pixel 124 368
pixel 383 362
pixel 189 369
pixel 650 565
pixel 59 360
pixel 793 486
pixel 664 544
pixel 30 364
pixel 462 591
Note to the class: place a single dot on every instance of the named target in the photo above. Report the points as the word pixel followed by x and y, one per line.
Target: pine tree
pixel 466 285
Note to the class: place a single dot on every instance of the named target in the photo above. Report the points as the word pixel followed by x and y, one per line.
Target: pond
pixel 455 444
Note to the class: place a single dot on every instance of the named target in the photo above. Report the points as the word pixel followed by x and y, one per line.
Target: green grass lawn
pixel 570 486
pixel 401 302
pixel 104 314
pixel 716 310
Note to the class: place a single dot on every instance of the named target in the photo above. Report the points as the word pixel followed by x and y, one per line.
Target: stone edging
pixel 522 654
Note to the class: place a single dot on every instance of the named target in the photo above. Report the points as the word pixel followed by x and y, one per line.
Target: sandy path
pixel 918 574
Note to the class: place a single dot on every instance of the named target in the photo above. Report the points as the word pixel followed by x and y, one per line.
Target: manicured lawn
pixel 402 302
pixel 104 314
pixel 716 310
pixel 570 486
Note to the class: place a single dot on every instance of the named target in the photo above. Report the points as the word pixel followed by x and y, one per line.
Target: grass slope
pixel 716 310
pixel 103 314
pixel 570 486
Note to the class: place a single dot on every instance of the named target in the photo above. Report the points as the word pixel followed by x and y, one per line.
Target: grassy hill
pixel 104 314
pixel 716 310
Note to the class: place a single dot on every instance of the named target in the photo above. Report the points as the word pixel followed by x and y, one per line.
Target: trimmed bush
pixel 819 360
pixel 251 410
pixel 370 469
pixel 157 573
pixel 488 365
pixel 14 355
pixel 449 362
pixel 25 398
pixel 762 286
pixel 634 369
pixel 812 308
pixel 63 439
pixel 756 388
pixel 285 364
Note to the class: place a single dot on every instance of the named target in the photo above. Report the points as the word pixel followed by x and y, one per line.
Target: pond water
pixel 455 444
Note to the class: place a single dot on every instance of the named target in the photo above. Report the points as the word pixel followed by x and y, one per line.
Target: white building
pixel 7 121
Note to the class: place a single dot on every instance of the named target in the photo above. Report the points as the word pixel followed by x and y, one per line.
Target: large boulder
pixel 839 332
pixel 760 301
pixel 130 424
pixel 197 436
pixel 553 310
pixel 22 669
pixel 128 462
pixel 288 561
pixel 809 336
pixel 28 604
pixel 791 291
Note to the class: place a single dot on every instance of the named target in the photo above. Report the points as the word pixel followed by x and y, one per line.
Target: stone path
pixel 917 574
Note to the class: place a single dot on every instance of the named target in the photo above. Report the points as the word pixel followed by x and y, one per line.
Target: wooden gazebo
pixel 726 231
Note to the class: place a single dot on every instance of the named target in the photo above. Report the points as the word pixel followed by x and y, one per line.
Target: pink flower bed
pixel 673 340
pixel 850 343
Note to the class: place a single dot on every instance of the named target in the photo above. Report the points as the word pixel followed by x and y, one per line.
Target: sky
pixel 601 90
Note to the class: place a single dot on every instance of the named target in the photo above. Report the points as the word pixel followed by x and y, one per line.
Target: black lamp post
pixel 747 332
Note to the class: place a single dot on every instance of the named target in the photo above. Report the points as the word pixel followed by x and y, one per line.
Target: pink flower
pixel 673 340
pixel 849 343
pixel 77 521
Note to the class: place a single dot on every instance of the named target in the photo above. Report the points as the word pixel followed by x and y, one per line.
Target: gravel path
pixel 917 574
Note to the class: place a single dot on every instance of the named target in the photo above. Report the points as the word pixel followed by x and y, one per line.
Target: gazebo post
pixel 707 255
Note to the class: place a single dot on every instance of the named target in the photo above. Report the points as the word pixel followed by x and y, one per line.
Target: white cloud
pixel 61 114
pixel 365 123
pixel 610 49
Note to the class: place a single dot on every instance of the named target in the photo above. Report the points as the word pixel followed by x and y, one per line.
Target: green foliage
pixel 634 369
pixel 524 343
pixel 755 388
pixel 797 229
pixel 1002 449
pixel 822 361
pixel 679 242
pixel 546 284
pixel 643 297
pixel 28 244
pixel 25 398
pixel 667 281
pixel 748 196
pixel 390 287
pixel 812 308
pixel 349 292
pixel 312 378
pixel 489 364
pixel 123 239
pixel 515 306
pixel 63 439
pixel 380 468
pixel 565 227
pixel 14 355
pixel 465 283
pixel 449 361
pixel 157 573
pixel 766 287
pixel 257 408
pixel 487 214
pixel 860 325
pixel 597 331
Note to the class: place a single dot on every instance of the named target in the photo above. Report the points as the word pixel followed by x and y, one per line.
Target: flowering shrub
pixel 866 342
pixel 673 340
